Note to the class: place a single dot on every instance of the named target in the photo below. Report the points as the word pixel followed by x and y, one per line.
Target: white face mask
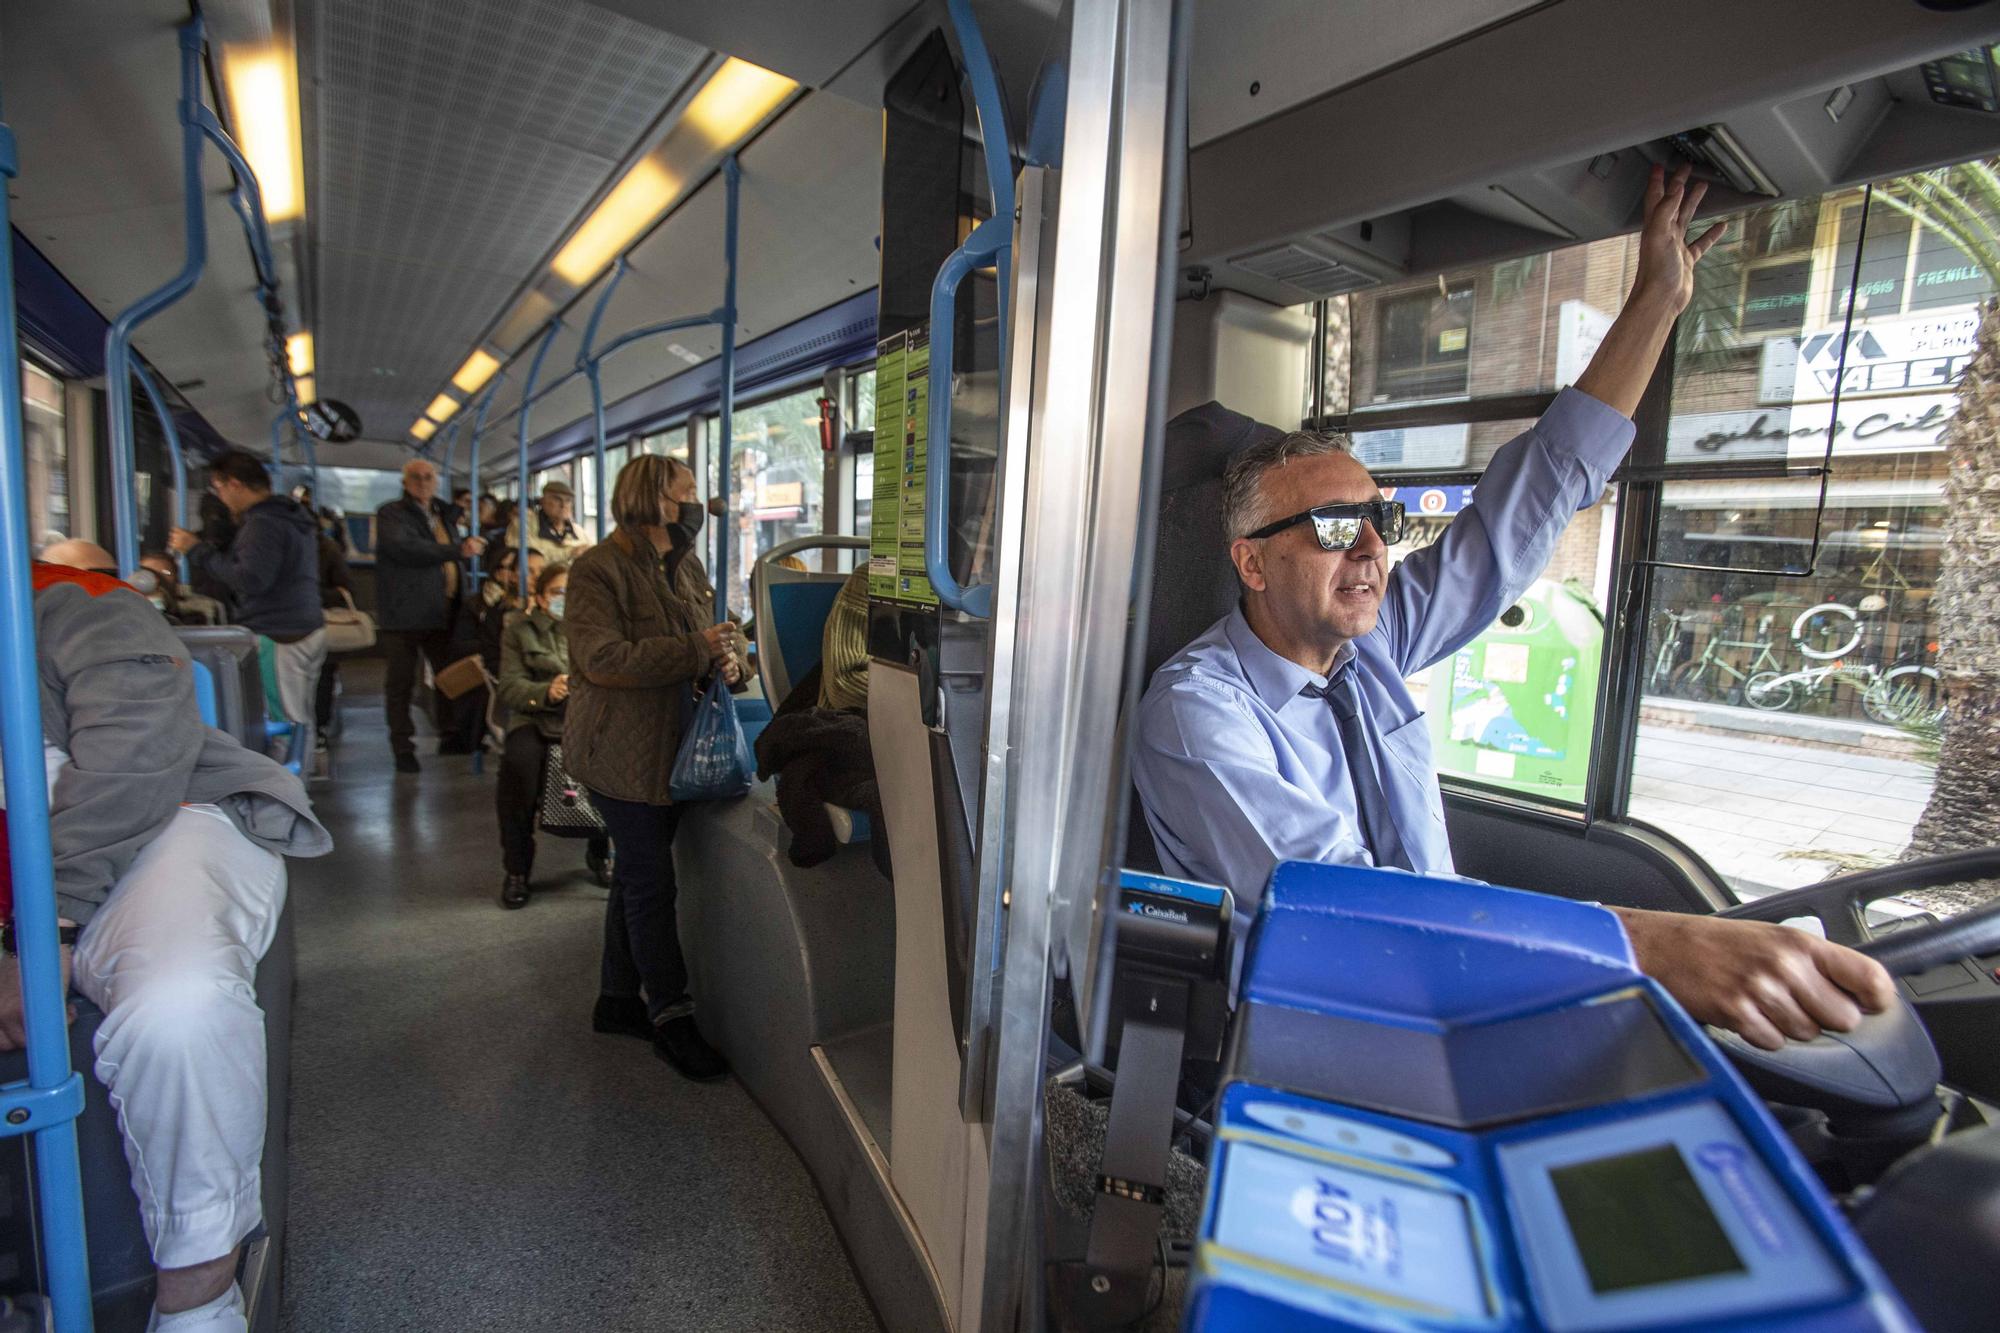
pixel 556 605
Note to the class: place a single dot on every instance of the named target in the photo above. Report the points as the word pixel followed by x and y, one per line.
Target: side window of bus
pixel 1412 372
pixel 45 422
pixel 777 475
pixel 1792 727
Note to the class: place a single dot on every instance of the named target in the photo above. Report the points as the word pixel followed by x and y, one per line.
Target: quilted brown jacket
pixel 636 654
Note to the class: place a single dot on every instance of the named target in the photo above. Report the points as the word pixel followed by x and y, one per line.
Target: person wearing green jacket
pixel 534 687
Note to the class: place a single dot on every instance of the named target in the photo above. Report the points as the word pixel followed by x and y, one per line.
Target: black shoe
pixel 407 763
pixel 514 893
pixel 622 1016
pixel 599 862
pixel 680 1043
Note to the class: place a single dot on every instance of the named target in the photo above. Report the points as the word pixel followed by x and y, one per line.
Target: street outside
pixel 1756 808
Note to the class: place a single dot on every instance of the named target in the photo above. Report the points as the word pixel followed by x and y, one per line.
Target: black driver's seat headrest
pixel 1194 584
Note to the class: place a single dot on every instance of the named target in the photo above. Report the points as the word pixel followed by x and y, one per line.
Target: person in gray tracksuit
pixel 168 841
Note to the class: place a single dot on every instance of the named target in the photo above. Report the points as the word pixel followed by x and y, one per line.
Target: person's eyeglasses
pixel 1338 527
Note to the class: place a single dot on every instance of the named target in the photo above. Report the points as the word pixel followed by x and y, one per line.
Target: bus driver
pixel 1285 732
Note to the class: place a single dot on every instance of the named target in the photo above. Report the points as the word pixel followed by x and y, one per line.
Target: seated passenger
pixel 534 685
pixel 549 527
pixel 167 840
pixel 500 598
pixel 1285 731
pixel 843 647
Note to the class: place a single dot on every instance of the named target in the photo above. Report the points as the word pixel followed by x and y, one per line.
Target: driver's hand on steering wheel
pixel 1763 982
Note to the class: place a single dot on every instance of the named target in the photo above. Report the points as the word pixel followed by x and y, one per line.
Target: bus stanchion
pixel 175 456
pixel 47 1105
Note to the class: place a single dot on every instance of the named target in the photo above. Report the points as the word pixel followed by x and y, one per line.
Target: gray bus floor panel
pixel 466 1153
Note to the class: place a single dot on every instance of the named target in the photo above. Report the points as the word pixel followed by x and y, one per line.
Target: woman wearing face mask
pixel 642 637
pixel 534 685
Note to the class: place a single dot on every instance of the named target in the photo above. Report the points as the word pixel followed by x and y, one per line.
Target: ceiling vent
pixel 1308 270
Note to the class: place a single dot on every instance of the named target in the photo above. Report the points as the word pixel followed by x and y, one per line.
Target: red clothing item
pixel 46 576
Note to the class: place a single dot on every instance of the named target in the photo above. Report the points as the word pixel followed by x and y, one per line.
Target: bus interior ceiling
pixel 450 151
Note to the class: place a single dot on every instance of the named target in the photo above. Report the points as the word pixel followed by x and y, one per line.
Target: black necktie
pixel 1371 803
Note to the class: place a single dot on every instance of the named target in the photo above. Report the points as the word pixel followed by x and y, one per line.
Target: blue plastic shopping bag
pixel 714 759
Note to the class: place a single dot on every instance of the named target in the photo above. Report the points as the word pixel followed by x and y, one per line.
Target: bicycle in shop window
pixel 1910 693
pixel 1728 661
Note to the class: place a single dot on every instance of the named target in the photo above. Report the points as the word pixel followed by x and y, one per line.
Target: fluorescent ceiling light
pixel 735 101
pixel 299 351
pixel 424 428
pixel 478 369
pixel 441 408
pixel 308 390
pixel 629 209
pixel 264 106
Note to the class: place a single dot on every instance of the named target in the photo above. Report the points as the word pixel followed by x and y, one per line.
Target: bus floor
pixel 465 1152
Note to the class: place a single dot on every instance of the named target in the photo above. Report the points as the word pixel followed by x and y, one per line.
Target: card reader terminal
pixel 1450 1106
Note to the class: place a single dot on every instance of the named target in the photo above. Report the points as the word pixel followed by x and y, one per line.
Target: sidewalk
pixel 1743 803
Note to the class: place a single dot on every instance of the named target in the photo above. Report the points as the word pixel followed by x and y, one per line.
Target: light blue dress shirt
pixel 1237 771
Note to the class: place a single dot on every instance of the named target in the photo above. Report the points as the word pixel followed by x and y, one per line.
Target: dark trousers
pixel 517 799
pixel 329 677
pixel 642 937
pixel 401 647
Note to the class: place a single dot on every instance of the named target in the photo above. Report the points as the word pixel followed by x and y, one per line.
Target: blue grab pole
pixel 118 341
pixel 588 364
pixel 732 179
pixel 472 463
pixel 172 433
pixel 450 452
pixel 47 1105
pixel 993 133
pixel 521 450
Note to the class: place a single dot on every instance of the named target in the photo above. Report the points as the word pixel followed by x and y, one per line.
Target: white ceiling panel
pixel 811 202
pixel 454 142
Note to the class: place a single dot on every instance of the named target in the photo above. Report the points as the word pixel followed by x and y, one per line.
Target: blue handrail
pixel 472 463
pixel 48 1104
pixel 988 240
pixel 521 452
pixel 198 123
pixel 118 341
pixel 732 179
pixel 991 243
pixel 172 433
pixel 589 366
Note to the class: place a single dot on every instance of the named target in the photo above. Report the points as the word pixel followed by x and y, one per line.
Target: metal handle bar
pixel 988 241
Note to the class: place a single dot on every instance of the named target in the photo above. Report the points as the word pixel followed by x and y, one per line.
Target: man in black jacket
pixel 271 570
pixel 418 583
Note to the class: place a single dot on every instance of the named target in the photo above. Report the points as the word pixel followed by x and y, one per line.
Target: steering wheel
pixel 1879 1080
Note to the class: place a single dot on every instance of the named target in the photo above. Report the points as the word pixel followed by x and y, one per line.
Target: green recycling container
pixel 1514 708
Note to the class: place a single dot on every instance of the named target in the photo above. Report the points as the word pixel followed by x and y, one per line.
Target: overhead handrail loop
pixel 989 240
pixel 174 455
pixel 521 452
pixel 118 341
pixel 46 1106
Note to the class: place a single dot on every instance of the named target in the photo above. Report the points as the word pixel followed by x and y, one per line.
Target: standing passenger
pixel 418 582
pixel 271 570
pixel 640 639
pixel 534 684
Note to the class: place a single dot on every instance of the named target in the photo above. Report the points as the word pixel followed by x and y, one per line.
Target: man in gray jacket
pixel 168 842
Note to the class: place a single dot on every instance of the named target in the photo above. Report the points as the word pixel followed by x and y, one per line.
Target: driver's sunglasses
pixel 1338 527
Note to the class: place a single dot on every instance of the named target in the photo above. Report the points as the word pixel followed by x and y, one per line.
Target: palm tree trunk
pixel 1964 808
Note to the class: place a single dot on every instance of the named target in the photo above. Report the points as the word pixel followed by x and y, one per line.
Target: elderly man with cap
pixel 550 526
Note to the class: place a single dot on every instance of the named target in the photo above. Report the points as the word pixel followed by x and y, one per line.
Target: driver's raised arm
pixel 1442 597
